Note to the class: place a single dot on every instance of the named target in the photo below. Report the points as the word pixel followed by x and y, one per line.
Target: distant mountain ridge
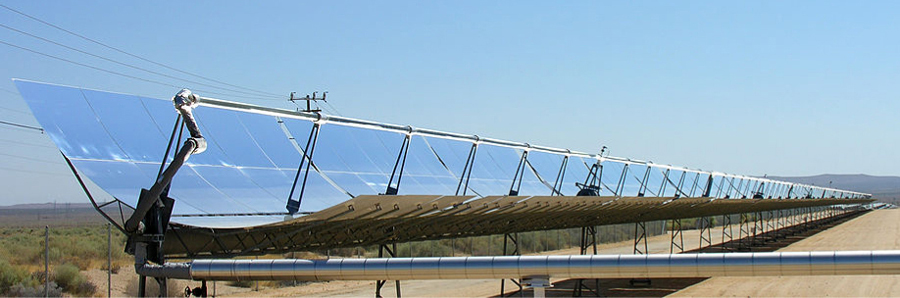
pixel 885 188
pixel 44 206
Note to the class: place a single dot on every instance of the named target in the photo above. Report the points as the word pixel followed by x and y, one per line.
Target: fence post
pixel 108 260
pixel 46 261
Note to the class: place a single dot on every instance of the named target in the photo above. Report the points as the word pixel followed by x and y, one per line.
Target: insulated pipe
pixel 574 266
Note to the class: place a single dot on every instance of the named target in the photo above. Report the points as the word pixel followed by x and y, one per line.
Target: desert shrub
pixel 70 279
pixel 11 275
pixel 174 288
pixel 20 290
pixel 241 283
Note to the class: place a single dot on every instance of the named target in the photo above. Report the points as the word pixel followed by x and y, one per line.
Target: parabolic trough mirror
pixel 273 180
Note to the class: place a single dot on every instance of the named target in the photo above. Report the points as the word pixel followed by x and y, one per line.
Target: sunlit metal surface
pixel 368 220
pixel 574 266
pixel 118 142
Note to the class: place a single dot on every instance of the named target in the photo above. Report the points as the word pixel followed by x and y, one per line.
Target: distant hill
pixel 883 188
pixel 55 206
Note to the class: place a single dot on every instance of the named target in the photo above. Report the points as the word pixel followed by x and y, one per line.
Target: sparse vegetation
pixel 72 249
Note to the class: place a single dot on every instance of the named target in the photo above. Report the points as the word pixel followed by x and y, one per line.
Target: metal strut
pixel 306 161
pixel 705 232
pixel 392 253
pixel 770 227
pixel 676 233
pixel 560 177
pixel 640 235
pixel 520 173
pixel 514 239
pixel 745 239
pixel 392 189
pixel 727 231
pixel 643 189
pixel 591 185
pixel 467 171
pixel 147 226
pixel 588 241
pixel 759 229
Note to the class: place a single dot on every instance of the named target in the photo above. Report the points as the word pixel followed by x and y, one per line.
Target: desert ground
pixel 876 230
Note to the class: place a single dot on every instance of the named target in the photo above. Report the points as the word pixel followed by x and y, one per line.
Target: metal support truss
pixel 392 253
pixel 588 241
pixel 514 240
pixel 780 224
pixel 705 232
pixel 790 220
pixel 770 226
pixel 640 236
pixel 727 231
pixel 676 234
pixel 745 238
pixel 759 229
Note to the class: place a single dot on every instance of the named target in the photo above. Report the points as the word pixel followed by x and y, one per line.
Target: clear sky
pixel 773 87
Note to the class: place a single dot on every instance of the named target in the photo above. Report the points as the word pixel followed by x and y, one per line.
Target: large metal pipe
pixel 575 266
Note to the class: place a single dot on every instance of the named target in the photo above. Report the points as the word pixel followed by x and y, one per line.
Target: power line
pixel 22 126
pixel 9 91
pixel 15 111
pixel 32 172
pixel 121 63
pixel 30 158
pixel 333 108
pixel 122 74
pixel 132 55
pixel 27 144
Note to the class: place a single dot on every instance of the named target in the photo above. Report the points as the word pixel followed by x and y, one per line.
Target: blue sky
pixel 778 88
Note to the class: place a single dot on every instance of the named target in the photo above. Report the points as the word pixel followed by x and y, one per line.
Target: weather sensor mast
pixel 308 100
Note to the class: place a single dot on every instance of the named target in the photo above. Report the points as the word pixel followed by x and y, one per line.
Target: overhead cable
pixel 32 172
pixel 15 111
pixel 122 74
pixel 130 54
pixel 9 91
pixel 22 126
pixel 30 158
pixel 123 63
pixel 27 144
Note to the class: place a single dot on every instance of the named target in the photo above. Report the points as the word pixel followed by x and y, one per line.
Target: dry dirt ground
pixel 873 231
pixel 877 230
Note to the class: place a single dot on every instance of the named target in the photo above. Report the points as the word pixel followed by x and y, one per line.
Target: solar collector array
pixel 244 177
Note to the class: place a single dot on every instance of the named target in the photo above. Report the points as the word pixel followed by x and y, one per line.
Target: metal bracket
pixel 519 175
pixel 294 205
pixel 392 253
pixel 467 171
pixel 392 188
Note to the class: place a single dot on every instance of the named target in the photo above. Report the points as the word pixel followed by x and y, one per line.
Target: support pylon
pixel 588 242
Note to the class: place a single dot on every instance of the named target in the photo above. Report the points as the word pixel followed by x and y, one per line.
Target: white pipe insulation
pixel 574 266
